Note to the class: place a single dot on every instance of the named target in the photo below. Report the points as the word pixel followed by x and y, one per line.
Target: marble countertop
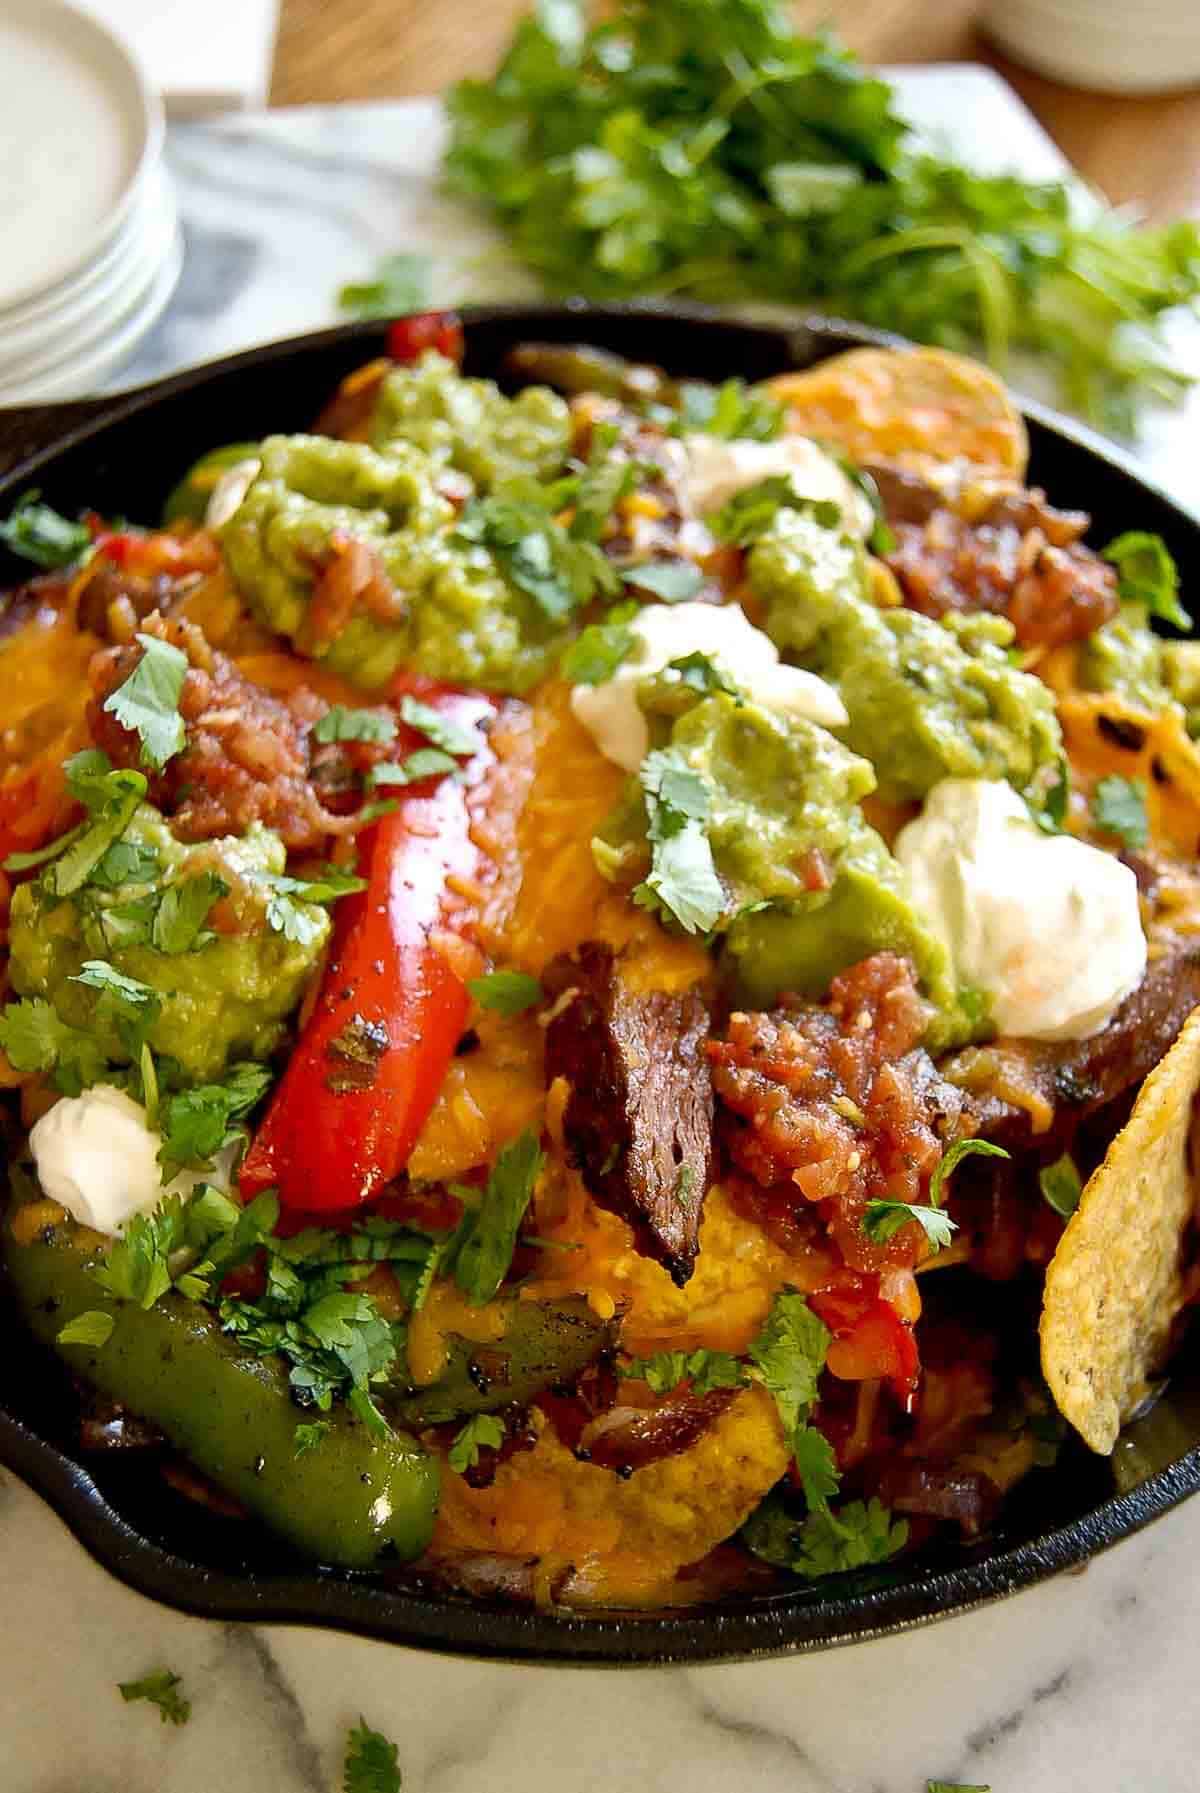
pixel 1088 1681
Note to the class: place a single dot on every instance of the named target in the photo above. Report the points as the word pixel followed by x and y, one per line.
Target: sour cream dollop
pixel 716 470
pixel 1047 926
pixel 664 632
pixel 97 1157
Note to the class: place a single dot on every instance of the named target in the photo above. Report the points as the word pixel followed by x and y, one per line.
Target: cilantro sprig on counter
pixel 371 1763
pixel 160 1689
pixel 706 148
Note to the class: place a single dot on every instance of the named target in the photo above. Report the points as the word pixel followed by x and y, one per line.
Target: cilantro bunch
pixel 704 147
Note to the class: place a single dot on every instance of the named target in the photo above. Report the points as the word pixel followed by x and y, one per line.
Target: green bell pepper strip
pixel 543 1343
pixel 231 1414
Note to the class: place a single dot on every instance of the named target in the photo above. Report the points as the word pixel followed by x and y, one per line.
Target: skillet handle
pixel 24 429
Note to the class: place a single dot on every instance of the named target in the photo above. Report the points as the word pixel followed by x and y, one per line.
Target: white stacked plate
pixel 91 248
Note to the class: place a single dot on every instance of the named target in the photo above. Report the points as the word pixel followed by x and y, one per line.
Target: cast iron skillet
pixel 121 457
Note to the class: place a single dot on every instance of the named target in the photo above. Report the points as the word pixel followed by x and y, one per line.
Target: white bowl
pixel 1109 45
pixel 54 328
pixel 80 132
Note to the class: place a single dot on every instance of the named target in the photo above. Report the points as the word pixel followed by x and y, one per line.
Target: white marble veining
pixel 1086 1683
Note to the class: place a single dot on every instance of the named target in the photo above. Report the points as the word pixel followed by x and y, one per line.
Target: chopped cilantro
pixel 883 1220
pixel 700 673
pixel 426 762
pixel 38 533
pixel 371 1764
pixel 308 1437
pixel 705 1370
pixel 824 1542
pixel 487 1235
pixel 952 1157
pixel 1147 574
pixel 595 655
pixel 1052 812
pixel 1061 1185
pixel 1119 808
pixel 198 1123
pixel 93 1329
pixel 342 724
pixel 751 512
pixel 162 1690
pixel 683 878
pixel 135 1268
pixel 732 411
pixel 181 912
pixel 559 569
pixel 34 1038
pixel 508 992
pixel 670 581
pixel 111 799
pixel 482 1430
pixel 816 1466
pixel 402 282
pixel 789 1354
pixel 148 701
pixel 441 730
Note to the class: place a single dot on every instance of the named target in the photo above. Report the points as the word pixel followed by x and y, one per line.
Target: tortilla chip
pixel 1114 1285
pixel 1105 734
pixel 917 407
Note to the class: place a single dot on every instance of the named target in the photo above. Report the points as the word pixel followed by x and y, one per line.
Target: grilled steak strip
pixel 639 1118
pixel 1079 1077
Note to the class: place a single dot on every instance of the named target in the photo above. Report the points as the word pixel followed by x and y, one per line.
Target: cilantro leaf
pixel 824 1542
pixel 93 1329
pixel 162 1690
pixel 111 799
pixel 135 1268
pixel 670 581
pixel 198 1123
pixel 324 885
pixel 1061 1185
pixel 1119 808
pixel 700 673
pixel 508 992
pixel 751 512
pixel 600 648
pixel 342 724
pixel 953 1156
pixel 705 1370
pixel 309 1437
pixel 38 533
pixel 1051 814
pixel 789 1354
pixel 148 701
pixel 426 762
pixel 182 911
pixel 441 730
pixel 1147 574
pixel 371 1764
pixel 34 1038
pixel 402 282
pixel 481 1430
pixel 683 877
pixel 816 1465
pixel 300 922
pixel 560 570
pixel 487 1235
pixel 732 410
pixel 882 1221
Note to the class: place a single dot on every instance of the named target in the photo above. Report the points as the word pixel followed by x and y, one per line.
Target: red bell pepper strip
pixel 408 338
pixel 390 1010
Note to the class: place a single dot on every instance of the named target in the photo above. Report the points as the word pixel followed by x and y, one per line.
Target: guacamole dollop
pixel 227 998
pixel 811 886
pixel 470 424
pixel 927 700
